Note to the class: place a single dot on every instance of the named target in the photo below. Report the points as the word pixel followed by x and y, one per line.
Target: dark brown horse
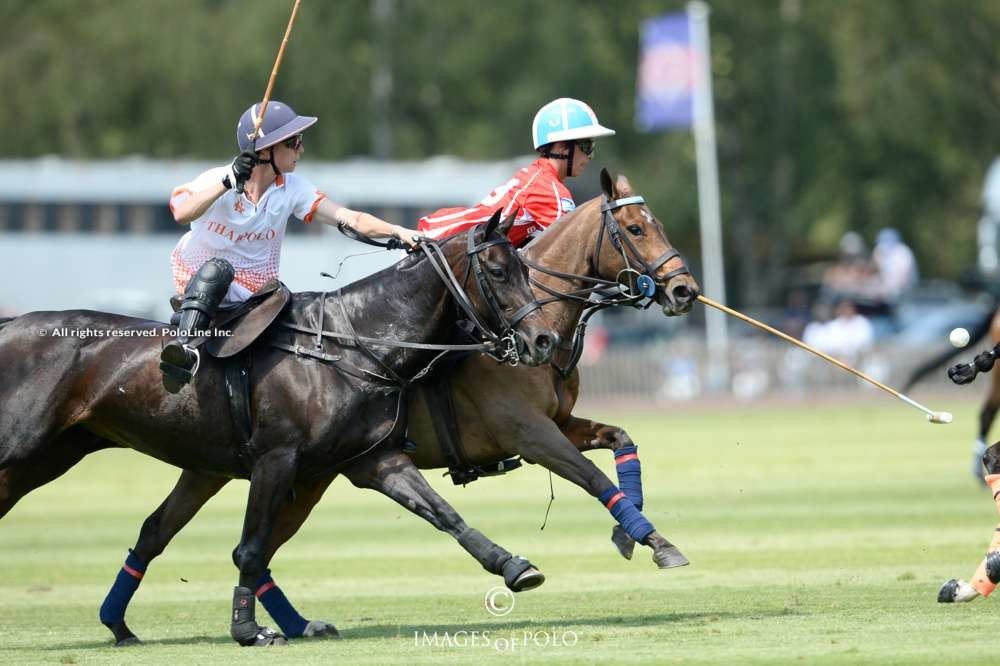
pixel 78 381
pixel 607 240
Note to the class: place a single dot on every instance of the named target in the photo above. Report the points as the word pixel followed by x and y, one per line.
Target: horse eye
pixel 635 230
pixel 497 272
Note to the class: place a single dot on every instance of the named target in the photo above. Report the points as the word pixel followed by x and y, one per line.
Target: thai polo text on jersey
pixel 535 193
pixel 246 235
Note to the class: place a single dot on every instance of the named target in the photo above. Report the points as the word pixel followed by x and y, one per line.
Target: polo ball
pixel 959 337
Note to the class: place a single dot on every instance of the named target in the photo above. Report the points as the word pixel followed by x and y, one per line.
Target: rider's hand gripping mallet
pixel 932 416
pixel 270 85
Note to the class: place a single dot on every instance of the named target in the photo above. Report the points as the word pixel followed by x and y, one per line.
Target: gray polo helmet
pixel 280 123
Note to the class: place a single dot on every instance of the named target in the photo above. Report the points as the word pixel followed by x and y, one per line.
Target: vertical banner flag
pixel 665 83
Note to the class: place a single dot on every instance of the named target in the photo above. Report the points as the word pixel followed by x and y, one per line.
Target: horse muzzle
pixel 678 299
pixel 536 348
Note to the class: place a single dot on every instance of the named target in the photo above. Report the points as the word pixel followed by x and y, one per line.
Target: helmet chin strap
pixel 569 157
pixel 274 167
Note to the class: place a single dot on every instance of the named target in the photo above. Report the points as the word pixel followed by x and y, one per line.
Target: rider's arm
pixel 367 224
pixel 188 209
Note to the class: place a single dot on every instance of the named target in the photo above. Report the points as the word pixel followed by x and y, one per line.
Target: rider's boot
pixel 204 293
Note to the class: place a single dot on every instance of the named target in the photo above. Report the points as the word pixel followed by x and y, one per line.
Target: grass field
pixel 815 533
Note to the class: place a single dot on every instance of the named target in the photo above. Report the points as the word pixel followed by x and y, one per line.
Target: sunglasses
pixel 294 142
pixel 586 146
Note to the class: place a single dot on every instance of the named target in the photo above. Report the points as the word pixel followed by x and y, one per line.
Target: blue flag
pixel 665 83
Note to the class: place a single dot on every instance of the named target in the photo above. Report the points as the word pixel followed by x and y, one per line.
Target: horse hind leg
pixel 393 474
pixel 189 494
pixel 51 461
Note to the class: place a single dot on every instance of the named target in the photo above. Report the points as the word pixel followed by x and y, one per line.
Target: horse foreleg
pixel 542 442
pixel 587 435
pixel 190 493
pixel 393 474
pixel 275 602
pixel 271 481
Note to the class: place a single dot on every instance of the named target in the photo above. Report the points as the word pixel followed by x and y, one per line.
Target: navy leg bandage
pixel 622 509
pixel 630 474
pixel 127 582
pixel 279 607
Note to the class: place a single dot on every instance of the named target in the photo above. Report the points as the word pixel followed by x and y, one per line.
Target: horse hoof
pixel 669 557
pixel 956 591
pixel 126 642
pixel 266 637
pixel 528 580
pixel 320 629
pixel 623 542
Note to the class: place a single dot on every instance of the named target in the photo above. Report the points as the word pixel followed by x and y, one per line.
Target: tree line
pixel 831 114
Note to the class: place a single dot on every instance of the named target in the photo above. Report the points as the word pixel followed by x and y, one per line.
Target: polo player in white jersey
pixel 237 215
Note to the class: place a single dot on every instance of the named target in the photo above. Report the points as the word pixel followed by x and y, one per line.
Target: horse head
pixel 639 253
pixel 502 296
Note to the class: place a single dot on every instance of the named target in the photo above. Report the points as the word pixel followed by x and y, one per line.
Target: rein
pixel 499 346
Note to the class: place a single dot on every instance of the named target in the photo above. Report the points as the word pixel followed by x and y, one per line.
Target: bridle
pixel 498 341
pixel 631 286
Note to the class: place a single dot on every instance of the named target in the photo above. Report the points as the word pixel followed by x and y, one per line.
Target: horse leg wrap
pixel 987 576
pixel 491 556
pixel 279 607
pixel 244 625
pixel 125 585
pixel 630 474
pixel 629 517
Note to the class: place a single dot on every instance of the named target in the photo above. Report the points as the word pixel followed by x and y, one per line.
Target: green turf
pixel 816 534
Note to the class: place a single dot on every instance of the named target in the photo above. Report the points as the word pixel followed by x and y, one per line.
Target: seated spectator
pixel 853 276
pixel 846 336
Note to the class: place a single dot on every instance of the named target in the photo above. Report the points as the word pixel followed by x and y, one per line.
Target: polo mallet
pixel 270 85
pixel 932 416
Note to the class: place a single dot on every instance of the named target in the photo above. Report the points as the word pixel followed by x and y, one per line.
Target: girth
pixel 441 407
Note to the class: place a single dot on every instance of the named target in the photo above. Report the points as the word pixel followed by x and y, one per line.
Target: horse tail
pixel 976 333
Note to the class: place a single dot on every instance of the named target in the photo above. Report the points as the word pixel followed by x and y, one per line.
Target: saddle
pixel 244 322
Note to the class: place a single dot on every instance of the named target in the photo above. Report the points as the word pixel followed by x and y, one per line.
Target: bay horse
pixel 610 239
pixel 329 408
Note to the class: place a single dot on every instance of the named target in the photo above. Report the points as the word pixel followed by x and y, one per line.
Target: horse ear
pixel 506 225
pixel 492 224
pixel 606 184
pixel 624 187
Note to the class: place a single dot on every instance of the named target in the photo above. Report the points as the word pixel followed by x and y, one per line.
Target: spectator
pixel 896 265
pixel 854 277
pixel 845 337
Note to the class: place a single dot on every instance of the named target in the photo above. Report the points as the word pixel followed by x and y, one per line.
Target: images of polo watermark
pixel 155 332
pixel 513 641
pixel 499 601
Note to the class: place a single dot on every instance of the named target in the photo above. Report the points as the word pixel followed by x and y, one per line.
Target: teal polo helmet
pixel 566 119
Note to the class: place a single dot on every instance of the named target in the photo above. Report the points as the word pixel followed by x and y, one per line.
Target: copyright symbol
pixel 499 601
pixel 41 333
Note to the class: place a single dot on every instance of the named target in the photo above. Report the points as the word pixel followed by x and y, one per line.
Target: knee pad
pixel 208 286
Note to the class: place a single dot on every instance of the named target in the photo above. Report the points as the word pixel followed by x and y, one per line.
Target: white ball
pixel 959 337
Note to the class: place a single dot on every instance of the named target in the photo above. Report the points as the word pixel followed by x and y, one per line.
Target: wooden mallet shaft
pixel 932 416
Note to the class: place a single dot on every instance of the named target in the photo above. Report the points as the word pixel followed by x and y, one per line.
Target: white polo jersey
pixel 245 234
